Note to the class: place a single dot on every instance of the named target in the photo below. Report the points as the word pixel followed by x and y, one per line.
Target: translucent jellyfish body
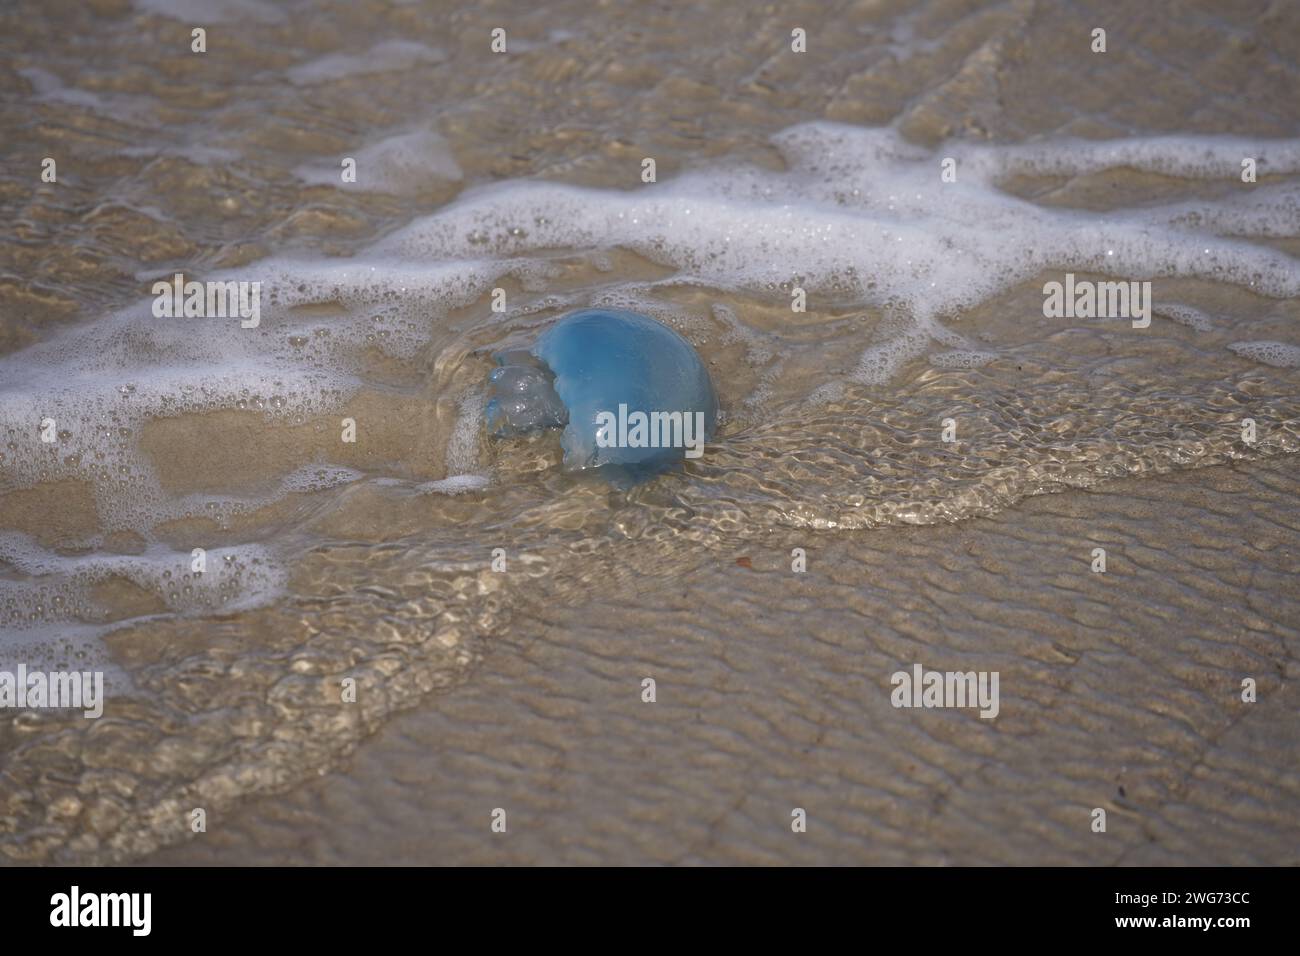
pixel 627 390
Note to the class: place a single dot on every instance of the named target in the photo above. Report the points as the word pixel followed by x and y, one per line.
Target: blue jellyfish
pixel 628 392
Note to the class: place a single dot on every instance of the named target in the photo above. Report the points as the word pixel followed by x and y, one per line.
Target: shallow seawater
pixel 330 460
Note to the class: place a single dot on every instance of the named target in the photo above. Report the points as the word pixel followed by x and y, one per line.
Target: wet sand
pixel 1119 690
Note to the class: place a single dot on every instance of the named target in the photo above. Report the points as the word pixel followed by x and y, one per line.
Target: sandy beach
pixel 350 627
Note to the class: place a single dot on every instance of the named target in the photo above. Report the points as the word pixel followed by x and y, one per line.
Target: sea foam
pixel 859 218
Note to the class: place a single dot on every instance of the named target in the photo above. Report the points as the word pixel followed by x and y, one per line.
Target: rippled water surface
pixel 922 386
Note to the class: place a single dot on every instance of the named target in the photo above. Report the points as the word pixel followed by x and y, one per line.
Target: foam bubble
pixel 962 358
pixel 866 217
pixel 401 164
pixel 213 11
pixel 49 88
pixel 1185 315
pixel 60 593
pixel 383 57
pixel 101 383
pixel 1277 354
pixel 455 485
pixel 320 478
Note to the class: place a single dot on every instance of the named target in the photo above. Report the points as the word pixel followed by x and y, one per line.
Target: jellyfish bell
pixel 627 390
